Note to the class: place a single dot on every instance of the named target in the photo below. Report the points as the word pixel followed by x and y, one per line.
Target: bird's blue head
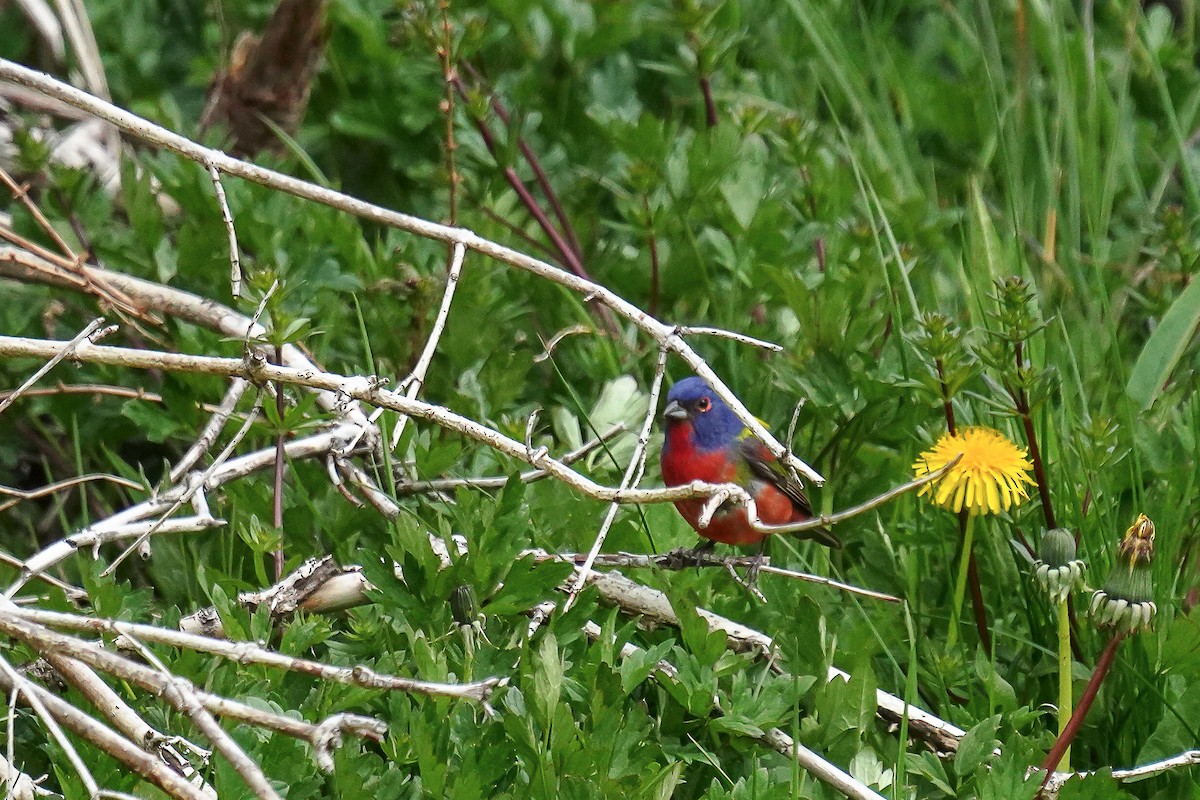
pixel 692 401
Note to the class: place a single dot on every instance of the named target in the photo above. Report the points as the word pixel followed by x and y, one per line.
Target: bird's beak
pixel 674 411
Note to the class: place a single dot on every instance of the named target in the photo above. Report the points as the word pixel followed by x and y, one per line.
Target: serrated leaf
pixel 977 746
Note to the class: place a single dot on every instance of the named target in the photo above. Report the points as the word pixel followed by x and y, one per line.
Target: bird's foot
pixel 683 557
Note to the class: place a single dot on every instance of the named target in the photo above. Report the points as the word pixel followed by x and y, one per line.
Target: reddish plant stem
pixel 277 500
pixel 710 106
pixel 654 265
pixel 981 621
pixel 518 232
pixel 1083 706
pixel 564 250
pixel 1021 401
pixel 449 76
pixel 947 408
pixel 539 173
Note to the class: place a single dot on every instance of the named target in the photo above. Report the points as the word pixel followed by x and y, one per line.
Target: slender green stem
pixel 960 585
pixel 1064 680
pixel 1085 704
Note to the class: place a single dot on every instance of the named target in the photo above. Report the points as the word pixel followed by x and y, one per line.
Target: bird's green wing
pixel 766 467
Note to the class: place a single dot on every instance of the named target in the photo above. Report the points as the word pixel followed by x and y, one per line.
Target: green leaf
pixel 977 746
pixel 547 679
pixel 744 189
pixel 1097 786
pixel 1165 346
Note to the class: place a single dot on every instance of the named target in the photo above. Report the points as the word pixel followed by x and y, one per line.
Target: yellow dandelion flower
pixel 990 478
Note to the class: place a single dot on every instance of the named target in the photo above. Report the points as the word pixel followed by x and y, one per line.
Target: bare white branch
pixel 192 489
pixel 237 388
pixel 367 389
pixel 1188 758
pixel 251 653
pixel 631 478
pixel 57 712
pixel 18 685
pixel 721 333
pixel 665 335
pixel 57 486
pixel 93 329
pixel 18 785
pixel 416 380
pixel 235 259
pixel 671 561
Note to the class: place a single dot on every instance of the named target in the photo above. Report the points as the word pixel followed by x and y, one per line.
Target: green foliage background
pixel 873 162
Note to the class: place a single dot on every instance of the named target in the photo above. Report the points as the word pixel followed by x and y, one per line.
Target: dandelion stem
pixel 1064 680
pixel 960 585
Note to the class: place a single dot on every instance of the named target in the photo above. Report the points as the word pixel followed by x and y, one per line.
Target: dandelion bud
pixel 1057 570
pixel 1127 599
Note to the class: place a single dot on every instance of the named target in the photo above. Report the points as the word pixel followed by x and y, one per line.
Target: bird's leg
pixel 760 558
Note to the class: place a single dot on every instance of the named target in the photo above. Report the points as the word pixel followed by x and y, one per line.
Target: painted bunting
pixel 706 441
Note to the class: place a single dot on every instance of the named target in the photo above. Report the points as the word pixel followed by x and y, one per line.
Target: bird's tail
pixel 823 536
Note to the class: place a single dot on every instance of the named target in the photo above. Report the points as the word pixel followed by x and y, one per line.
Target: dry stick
pixel 92 388
pixel 99 534
pixel 177 693
pixel 25 259
pixel 21 195
pixel 15 684
pixel 499 481
pixel 127 523
pixel 689 330
pixel 349 588
pixel 73 593
pixel 18 785
pixel 368 390
pixel 92 328
pixel 154 134
pixel 416 379
pixel 212 429
pixel 252 653
pixel 632 476
pixel 60 712
pixel 701 559
pixel 193 489
pixel 235 259
pixel 20 495
pixel 109 703
pixel 1188 758
pixel 146 294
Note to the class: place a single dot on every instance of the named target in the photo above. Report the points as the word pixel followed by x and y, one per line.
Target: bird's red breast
pixel 682 462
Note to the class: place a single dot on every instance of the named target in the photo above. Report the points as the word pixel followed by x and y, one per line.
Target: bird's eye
pixel 703 404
